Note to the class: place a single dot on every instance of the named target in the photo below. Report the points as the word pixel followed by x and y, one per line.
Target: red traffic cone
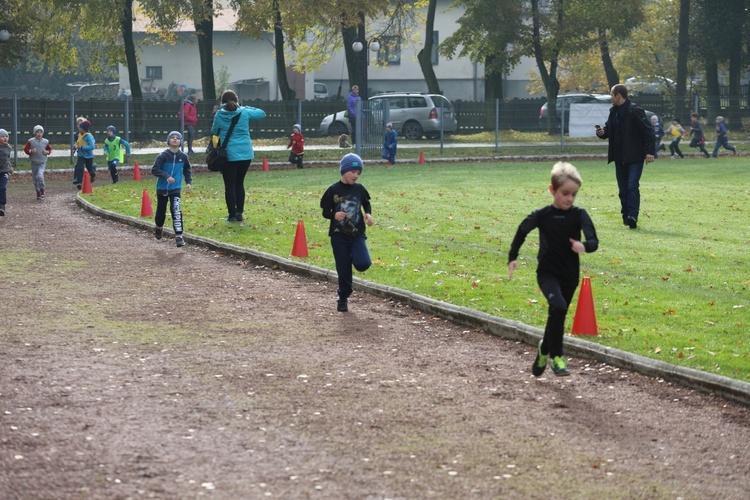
pixel 421 157
pixel 87 183
pixel 584 322
pixel 146 210
pixel 265 169
pixel 136 172
pixel 300 241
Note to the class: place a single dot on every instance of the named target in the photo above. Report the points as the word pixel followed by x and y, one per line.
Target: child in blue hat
pixel 346 204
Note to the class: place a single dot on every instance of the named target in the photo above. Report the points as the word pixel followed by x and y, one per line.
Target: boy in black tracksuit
pixel 170 167
pixel 343 204
pixel 560 226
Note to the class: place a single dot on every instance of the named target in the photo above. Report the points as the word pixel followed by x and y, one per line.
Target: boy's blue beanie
pixel 174 132
pixel 351 162
pixel 112 128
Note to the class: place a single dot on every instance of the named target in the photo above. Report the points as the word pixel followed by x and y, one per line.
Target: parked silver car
pixel 413 115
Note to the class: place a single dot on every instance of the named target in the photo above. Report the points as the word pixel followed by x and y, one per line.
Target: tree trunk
pixel 425 55
pixel 733 33
pixel 683 48
pixel 613 78
pixel 139 126
pixel 713 102
pixel 287 93
pixel 349 35
pixel 204 27
pixel 549 78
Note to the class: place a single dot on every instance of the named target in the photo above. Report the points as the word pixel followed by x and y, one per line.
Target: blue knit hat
pixel 351 162
pixel 174 132
pixel 298 127
pixel 112 128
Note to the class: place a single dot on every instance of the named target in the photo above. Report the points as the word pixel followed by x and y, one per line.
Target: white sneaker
pixel 672 158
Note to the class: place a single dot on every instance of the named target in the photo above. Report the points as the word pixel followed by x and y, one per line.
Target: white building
pixel 251 68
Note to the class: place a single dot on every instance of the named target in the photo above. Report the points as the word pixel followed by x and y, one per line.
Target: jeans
pixel 174 207
pixel 628 184
pixel 3 191
pixel 234 185
pixel 559 296
pixel 722 141
pixel 349 251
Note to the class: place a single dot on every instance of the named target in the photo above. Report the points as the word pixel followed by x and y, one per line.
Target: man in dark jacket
pixel 631 142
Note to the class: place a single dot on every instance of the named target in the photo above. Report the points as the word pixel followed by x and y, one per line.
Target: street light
pixel 358 46
pixel 4 35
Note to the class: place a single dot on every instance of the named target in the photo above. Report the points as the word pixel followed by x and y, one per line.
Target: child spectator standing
pixel 115 149
pixel 676 132
pixel 658 134
pixel 38 148
pixel 188 115
pixel 170 167
pixel 6 169
pixel 721 137
pixel 558 266
pixel 696 130
pixel 297 143
pixel 347 205
pixel 390 144
pixel 85 145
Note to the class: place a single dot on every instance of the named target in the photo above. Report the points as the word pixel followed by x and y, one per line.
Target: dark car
pixel 566 100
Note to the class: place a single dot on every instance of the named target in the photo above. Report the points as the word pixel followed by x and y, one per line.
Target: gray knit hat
pixel 719 118
pixel 174 132
pixel 4 133
pixel 351 162
pixel 38 127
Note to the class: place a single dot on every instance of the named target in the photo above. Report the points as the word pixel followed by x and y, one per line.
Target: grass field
pixel 675 289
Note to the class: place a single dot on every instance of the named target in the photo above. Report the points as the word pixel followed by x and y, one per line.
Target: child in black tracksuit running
pixel 343 204
pixel 170 167
pixel 560 226
pixel 696 130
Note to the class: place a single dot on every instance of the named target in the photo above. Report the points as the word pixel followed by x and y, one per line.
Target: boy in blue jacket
pixel 170 167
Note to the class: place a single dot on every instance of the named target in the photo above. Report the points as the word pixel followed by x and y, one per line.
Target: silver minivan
pixel 413 115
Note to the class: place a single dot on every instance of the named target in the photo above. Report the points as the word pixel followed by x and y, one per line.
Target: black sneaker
pixel 2 210
pixel 632 222
pixel 231 218
pixel 159 232
pixel 79 186
pixel 540 363
pixel 179 240
pixel 93 178
pixel 342 306
pixel 239 217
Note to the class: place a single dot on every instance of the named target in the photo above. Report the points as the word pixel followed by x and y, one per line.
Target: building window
pixel 390 50
pixel 435 43
pixel 153 72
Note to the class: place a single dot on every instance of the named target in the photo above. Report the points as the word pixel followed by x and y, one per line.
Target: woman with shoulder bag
pixel 239 149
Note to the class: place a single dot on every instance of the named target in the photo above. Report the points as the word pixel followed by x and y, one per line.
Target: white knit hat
pixel 38 127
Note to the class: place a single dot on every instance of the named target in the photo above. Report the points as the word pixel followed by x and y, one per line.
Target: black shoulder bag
pixel 216 157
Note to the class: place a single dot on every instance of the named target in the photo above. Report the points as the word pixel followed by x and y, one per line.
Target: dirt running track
pixel 130 368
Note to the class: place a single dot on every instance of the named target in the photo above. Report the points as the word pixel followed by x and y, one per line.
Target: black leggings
pixel 174 207
pixel 234 185
pixel 559 296
pixel 674 148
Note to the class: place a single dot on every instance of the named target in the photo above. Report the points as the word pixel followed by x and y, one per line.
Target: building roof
pixel 224 20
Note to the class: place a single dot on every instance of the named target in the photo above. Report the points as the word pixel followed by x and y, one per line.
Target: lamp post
pixel 4 35
pixel 358 47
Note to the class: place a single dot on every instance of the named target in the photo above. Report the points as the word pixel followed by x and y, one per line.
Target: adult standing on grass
pixel 239 150
pixel 631 142
pixel 351 111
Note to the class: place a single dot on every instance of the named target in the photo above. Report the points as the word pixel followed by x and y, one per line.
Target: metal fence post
pixel 358 125
pixel 299 115
pixel 15 129
pixel 497 125
pixel 127 118
pixel 442 126
pixel 72 124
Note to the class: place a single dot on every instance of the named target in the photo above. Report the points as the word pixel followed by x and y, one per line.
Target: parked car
pixel 649 84
pixel 320 91
pixel 413 115
pixel 566 100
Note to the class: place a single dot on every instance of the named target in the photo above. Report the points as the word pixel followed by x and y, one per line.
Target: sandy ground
pixel 130 368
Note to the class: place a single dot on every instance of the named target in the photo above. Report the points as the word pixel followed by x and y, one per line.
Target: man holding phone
pixel 631 143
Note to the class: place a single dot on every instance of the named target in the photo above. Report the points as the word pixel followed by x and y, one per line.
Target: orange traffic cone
pixel 421 157
pixel 265 169
pixel 87 183
pixel 584 322
pixel 146 210
pixel 136 172
pixel 300 241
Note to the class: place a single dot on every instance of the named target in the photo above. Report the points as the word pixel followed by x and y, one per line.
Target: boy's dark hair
pixel 675 119
pixel 620 89
pixel 694 115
